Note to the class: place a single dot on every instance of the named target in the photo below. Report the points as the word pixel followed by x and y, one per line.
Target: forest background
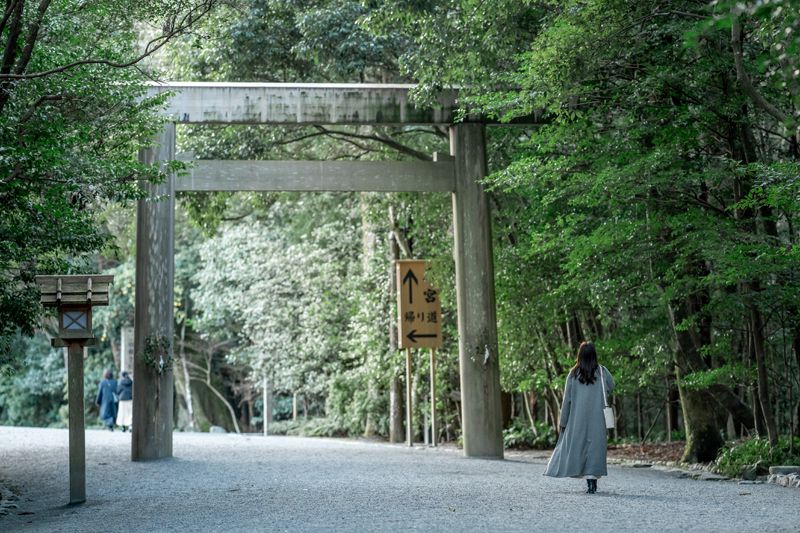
pixel 650 205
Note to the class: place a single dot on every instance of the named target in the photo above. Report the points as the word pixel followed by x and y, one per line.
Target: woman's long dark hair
pixel 586 364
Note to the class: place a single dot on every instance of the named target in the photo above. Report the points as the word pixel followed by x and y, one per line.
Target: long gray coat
pixel 581 449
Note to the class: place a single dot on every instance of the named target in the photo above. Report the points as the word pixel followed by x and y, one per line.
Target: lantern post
pixel 74 297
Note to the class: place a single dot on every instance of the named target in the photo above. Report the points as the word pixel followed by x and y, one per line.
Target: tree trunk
pixel 758 417
pixel 616 401
pixel 757 330
pixel 728 400
pixel 529 401
pixel 416 403
pixel 116 352
pixel 673 404
pixel 368 244
pixel 507 408
pixel 396 433
pixel 370 428
pixel 796 346
pixel 266 407
pixel 187 382
pixel 552 409
pixel 743 148
pixel 703 438
pixel 224 401
pixel 639 418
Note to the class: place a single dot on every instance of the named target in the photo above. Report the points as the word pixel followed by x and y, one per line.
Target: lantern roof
pixel 91 289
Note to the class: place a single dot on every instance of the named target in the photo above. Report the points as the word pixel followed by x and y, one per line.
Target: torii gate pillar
pixel 155 238
pixel 477 321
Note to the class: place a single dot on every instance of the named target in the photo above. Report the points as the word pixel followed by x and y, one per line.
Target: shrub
pixel 757 452
pixel 522 436
pixel 312 427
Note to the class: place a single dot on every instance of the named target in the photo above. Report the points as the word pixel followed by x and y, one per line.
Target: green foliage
pixel 312 427
pixel 276 40
pixel 628 214
pixel 36 393
pixel 757 452
pixel 520 435
pixel 457 43
pixel 33 395
pixel 73 117
pixel 728 375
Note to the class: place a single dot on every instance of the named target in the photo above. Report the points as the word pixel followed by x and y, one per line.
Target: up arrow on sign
pixel 410 278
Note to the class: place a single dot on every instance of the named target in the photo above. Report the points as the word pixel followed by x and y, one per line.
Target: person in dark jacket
pixel 581 448
pixel 106 399
pixel 125 395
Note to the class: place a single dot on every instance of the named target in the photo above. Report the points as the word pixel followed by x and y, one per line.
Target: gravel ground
pixel 252 483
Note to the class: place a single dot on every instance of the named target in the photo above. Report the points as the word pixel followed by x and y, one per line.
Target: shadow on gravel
pixel 636 497
pixel 528 461
pixel 615 495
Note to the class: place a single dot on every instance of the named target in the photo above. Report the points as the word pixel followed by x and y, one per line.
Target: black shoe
pixel 589 486
pixel 592 486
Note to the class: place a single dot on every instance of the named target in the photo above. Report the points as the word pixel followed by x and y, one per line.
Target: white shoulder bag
pixel 608 411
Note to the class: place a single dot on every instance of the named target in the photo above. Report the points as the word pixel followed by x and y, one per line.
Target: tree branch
pixel 41 100
pixel 357 144
pixel 298 139
pixel 744 79
pixel 433 131
pixel 398 236
pixel 13 34
pixel 391 143
pixel 237 217
pixel 10 7
pixel 30 40
pixel 174 29
pixel 703 203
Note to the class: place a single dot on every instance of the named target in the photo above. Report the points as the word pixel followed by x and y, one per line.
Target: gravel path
pixel 252 483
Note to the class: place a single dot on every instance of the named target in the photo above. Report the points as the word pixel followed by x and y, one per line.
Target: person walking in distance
pixel 125 395
pixel 581 448
pixel 107 400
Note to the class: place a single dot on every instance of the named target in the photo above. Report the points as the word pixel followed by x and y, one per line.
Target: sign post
pixel 74 296
pixel 409 407
pixel 267 403
pixel 419 316
pixel 433 397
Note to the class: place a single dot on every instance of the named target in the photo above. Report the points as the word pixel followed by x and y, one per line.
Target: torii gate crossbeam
pixel 320 104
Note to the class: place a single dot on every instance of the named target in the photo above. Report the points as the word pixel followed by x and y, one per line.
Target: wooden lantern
pixel 74 296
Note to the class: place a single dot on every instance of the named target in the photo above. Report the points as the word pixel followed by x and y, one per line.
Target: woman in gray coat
pixel 581 448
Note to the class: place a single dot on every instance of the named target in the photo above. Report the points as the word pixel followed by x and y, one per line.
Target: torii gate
pixel 319 104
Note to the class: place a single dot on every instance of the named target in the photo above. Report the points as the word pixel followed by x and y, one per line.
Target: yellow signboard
pixel 419 309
